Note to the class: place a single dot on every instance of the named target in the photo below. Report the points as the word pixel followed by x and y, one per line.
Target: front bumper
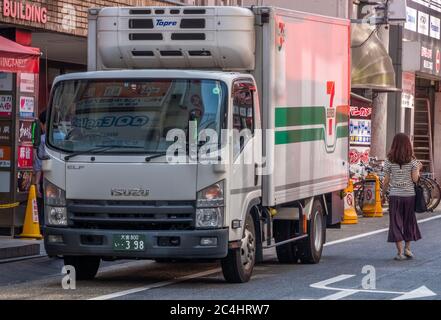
pixel 189 244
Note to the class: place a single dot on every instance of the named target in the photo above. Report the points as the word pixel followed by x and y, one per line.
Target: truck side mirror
pixel 36 133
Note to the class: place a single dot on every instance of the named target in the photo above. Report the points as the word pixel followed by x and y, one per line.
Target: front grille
pixel 131 215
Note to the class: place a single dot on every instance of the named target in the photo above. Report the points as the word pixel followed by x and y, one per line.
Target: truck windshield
pixel 131 113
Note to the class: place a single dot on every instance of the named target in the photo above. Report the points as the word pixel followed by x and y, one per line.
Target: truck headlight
pixel 56 216
pixel 210 218
pixel 210 206
pixel 53 196
pixel 212 196
pixel 55 205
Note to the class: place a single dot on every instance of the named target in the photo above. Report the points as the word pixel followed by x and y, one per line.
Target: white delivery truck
pixel 280 76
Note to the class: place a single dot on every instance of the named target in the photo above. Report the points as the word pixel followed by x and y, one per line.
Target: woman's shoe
pixel 408 253
pixel 400 257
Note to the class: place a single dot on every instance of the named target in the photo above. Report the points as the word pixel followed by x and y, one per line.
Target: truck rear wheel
pixel 284 230
pixel 310 249
pixel 86 267
pixel 238 266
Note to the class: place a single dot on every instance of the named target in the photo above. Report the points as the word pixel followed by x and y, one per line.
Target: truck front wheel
pixel 310 249
pixel 238 266
pixel 86 267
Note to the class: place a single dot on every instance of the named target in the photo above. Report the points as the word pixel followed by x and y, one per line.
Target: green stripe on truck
pixel 305 135
pixel 303 116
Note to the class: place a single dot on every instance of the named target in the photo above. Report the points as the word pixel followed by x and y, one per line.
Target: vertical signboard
pixel 359 134
pixel 408 93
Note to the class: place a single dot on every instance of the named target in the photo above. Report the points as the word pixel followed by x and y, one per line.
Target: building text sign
pixel 24 11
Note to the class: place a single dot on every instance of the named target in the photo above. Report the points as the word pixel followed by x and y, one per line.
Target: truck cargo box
pixel 303 73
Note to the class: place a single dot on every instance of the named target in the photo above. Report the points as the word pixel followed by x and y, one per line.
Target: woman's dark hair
pixel 42 117
pixel 401 151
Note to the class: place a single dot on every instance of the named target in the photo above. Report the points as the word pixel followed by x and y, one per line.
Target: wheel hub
pixel 247 250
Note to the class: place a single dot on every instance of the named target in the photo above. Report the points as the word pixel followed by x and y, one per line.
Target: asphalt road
pixel 339 275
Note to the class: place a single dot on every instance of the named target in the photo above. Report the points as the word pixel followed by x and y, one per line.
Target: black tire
pixel 284 230
pixel 86 267
pixel 432 193
pixel 310 249
pixel 238 266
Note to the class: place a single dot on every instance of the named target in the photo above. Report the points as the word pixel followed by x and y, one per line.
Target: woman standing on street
pixel 402 171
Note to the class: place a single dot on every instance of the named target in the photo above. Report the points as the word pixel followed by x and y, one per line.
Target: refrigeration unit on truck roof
pixel 173 37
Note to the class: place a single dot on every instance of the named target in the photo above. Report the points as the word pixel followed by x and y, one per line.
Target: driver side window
pixel 243 114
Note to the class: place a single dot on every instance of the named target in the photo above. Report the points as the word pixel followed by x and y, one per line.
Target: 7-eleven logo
pixel 330 112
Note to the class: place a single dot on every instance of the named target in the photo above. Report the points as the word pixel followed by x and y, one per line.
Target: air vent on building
pixel 202 53
pixel 192 23
pixel 143 53
pixel 194 11
pixel 188 36
pixel 140 11
pixel 141 24
pixel 171 53
pixel 145 36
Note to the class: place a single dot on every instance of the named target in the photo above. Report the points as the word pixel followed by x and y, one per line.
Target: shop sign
pixel 408 86
pixel 27 82
pixel 25 157
pixel 435 27
pixel 26 106
pixel 361 112
pixel 24 11
pixel 24 181
pixel 360 131
pixel 25 131
pixel 5 131
pixel 5 157
pixel 5 181
pixel 427 58
pixel 437 61
pixel 423 23
pixel 411 19
pixel 5 81
pixel 5 105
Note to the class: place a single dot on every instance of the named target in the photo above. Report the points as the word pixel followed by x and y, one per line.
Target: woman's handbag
pixel 420 200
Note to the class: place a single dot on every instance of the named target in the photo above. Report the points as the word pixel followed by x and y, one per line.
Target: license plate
pixel 129 242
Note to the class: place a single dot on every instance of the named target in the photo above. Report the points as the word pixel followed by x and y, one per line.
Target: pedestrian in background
pixel 39 155
pixel 402 171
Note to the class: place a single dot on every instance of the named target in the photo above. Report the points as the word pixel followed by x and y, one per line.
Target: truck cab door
pixel 246 179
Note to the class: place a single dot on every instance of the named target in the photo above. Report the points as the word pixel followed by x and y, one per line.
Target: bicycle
pixel 432 191
pixel 374 166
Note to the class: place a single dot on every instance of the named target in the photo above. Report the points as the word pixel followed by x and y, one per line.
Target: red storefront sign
pixel 25 157
pixel 17 58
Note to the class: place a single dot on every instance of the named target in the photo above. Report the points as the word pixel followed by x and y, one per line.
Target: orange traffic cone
pixel 31 227
pixel 350 215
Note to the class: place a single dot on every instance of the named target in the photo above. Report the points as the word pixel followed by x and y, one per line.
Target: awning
pixel 372 66
pixel 17 58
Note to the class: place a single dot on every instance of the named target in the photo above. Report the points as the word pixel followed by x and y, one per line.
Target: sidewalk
pixel 12 249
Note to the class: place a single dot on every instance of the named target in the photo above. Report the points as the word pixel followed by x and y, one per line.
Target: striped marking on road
pixel 157 285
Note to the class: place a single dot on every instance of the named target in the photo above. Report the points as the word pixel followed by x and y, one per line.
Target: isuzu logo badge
pixel 117 192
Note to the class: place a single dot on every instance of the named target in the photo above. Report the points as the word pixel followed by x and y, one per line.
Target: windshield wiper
pixel 156 155
pixel 98 149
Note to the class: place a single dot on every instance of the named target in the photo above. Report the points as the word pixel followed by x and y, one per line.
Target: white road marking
pixel 156 285
pixel 202 274
pixel 421 292
pixel 367 234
